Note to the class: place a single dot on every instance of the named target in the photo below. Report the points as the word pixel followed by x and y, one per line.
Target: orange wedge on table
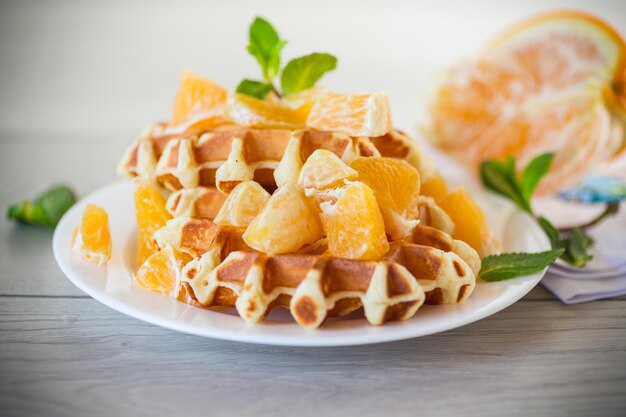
pixel 199 103
pixel 92 238
pixel 551 83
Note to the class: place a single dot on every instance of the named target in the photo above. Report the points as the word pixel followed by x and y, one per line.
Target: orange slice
pixel 92 238
pixel 199 103
pixel 286 223
pixel 151 216
pixel 353 223
pixel 323 169
pixel 435 187
pixel 396 185
pixel 160 273
pixel 552 83
pixel 355 115
pixel 242 205
pixel 267 113
pixel 469 220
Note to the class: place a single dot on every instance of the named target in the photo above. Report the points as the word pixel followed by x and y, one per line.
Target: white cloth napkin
pixel 609 253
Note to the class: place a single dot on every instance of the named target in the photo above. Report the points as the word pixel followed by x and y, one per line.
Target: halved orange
pixel 552 83
pixel 151 215
pixel 199 103
pixel 92 238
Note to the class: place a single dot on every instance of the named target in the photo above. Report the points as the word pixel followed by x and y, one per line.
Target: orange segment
pixel 355 115
pixel 469 220
pixel 353 223
pixel 396 185
pixel 435 187
pixel 286 223
pixel 552 83
pixel 151 216
pixel 92 238
pixel 199 103
pixel 242 205
pixel 160 273
pixel 323 169
pixel 267 113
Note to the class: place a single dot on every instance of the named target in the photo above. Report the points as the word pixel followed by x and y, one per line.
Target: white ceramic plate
pixel 113 286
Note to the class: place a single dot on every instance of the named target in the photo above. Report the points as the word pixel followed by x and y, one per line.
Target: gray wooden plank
pixel 75 357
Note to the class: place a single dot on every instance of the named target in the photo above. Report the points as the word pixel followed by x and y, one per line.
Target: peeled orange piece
pixel 199 103
pixel 469 220
pixel 396 185
pixel 270 112
pixel 323 169
pixel 435 187
pixel 353 223
pixel 551 83
pixel 242 205
pixel 151 216
pixel 92 238
pixel 355 115
pixel 160 273
pixel 287 222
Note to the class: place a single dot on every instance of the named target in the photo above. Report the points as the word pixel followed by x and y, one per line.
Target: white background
pixel 114 65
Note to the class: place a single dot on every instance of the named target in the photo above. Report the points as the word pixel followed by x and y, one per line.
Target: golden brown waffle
pixel 430 214
pixel 198 236
pixel 312 287
pixel 200 202
pixel 230 155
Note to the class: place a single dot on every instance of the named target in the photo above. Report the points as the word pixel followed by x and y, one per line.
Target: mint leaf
pixel 265 45
pixel 46 209
pixel 533 173
pixel 576 247
pixel 254 88
pixel 551 231
pixel 511 265
pixel 500 178
pixel 302 73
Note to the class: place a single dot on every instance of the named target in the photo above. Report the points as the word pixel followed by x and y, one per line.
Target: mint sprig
pixel 265 45
pixel 502 178
pixel 510 265
pixel 46 209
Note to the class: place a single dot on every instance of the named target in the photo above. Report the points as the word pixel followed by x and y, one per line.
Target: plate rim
pixel 366 338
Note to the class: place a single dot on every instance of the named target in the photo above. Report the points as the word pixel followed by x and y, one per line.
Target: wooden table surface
pixel 65 354
pixel 79 78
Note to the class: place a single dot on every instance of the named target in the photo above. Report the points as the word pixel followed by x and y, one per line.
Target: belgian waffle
pixel 272 157
pixel 313 287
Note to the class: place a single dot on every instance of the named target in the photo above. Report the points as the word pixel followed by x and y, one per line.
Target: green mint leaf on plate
pixel 511 265
pixel 265 45
pixel 576 247
pixel 46 209
pixel 254 88
pixel 302 73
